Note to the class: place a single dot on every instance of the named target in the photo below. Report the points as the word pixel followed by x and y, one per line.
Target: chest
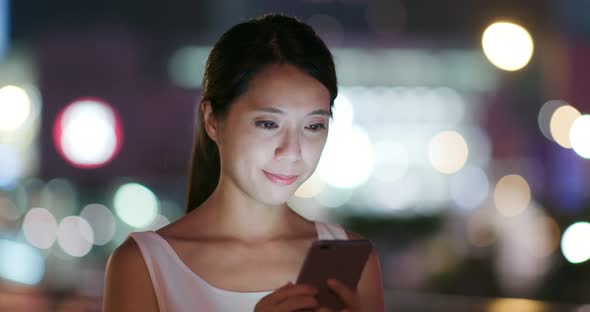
pixel 239 268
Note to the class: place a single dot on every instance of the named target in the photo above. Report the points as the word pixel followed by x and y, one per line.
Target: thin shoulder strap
pixel 151 250
pixel 330 231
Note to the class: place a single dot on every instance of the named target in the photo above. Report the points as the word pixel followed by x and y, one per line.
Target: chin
pixel 276 198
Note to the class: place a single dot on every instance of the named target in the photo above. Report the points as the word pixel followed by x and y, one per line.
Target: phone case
pixel 343 260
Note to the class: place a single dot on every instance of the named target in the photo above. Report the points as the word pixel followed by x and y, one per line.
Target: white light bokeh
pixel 331 197
pixel 561 123
pixel 395 197
pixel 15 108
pixel 546 113
pixel 136 205
pixel 88 133
pixel 187 66
pixel 40 228
pixel 347 160
pixel 159 222
pixel 75 236
pixel 10 167
pixel 452 105
pixel 580 136
pixel 20 263
pixel 448 152
pixel 343 113
pixel 469 187
pixel 102 222
pixel 391 160
pixel 310 188
pixel 512 195
pixel 574 242
pixel 507 45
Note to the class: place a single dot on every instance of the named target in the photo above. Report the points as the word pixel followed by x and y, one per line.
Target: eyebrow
pixel 275 110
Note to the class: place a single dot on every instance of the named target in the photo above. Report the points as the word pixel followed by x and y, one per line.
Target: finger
pixel 347 295
pixel 291 290
pixel 297 303
pixel 272 297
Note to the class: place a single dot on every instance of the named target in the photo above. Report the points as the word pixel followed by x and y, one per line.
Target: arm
pixel 370 287
pixel 128 286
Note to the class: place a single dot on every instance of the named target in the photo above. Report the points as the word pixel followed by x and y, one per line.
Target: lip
pixel 280 179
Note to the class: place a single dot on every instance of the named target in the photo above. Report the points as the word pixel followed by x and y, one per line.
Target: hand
pixel 349 297
pixel 291 297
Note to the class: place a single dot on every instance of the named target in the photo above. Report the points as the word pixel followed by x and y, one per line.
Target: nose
pixel 289 147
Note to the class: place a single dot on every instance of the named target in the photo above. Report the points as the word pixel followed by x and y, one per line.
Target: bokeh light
pixel 546 113
pixel 469 187
pixel 15 108
pixel 310 188
pixel 75 236
pixel 136 205
pixel 580 136
pixel 187 66
pixel 574 242
pixel 331 197
pixel 20 263
pixel 159 222
pixel 561 123
pixel 10 167
pixel 448 152
pixel 511 304
pixel 512 195
pixel 343 113
pixel 391 160
pixel 102 222
pixel 40 228
pixel 507 45
pixel 88 133
pixel 552 233
pixel 397 196
pixel 347 148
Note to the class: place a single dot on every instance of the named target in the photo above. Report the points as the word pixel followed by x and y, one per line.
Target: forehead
pixel 284 87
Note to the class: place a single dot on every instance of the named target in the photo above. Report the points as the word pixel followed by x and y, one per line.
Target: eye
pixel 316 127
pixel 266 124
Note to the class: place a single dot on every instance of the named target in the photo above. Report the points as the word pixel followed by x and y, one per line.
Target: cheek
pixel 314 149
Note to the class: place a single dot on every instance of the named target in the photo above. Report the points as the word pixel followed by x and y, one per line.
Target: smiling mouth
pixel 280 179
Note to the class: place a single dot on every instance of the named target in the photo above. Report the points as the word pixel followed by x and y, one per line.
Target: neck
pixel 230 213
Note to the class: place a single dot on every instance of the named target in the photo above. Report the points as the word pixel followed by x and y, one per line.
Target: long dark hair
pixel 238 55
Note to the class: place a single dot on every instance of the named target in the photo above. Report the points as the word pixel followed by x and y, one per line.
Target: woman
pixel 269 88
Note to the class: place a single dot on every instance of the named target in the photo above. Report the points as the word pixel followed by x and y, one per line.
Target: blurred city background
pixel 460 142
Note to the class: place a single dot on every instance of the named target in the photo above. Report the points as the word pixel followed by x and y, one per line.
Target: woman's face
pixel 273 135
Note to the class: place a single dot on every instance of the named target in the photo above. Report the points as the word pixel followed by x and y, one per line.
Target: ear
pixel 211 124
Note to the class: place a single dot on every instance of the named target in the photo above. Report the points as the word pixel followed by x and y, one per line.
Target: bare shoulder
pixel 370 287
pixel 128 286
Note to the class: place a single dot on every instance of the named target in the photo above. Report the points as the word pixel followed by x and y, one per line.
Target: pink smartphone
pixel 343 260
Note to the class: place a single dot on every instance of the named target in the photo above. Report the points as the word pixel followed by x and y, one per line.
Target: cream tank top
pixel 179 289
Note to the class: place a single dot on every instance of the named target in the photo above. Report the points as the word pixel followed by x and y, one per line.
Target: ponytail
pixel 204 168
